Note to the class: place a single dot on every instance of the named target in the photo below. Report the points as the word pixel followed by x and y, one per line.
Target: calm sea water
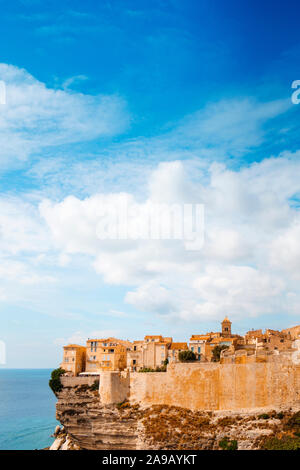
pixel 27 409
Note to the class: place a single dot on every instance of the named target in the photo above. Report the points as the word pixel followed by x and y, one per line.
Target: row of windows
pixel 67 359
pixel 199 349
pixel 94 345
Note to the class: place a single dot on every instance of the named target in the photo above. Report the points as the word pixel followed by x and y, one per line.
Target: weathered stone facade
pixel 239 382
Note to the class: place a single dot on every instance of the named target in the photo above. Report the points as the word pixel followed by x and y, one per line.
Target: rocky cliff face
pixel 87 424
pixel 92 425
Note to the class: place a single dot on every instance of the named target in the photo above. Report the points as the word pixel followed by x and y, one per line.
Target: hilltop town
pixel 218 390
pixel 154 352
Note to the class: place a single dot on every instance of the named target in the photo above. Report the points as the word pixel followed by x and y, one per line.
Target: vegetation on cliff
pixel 95 386
pixel 227 444
pixel 163 368
pixel 163 427
pixel 287 436
pixel 55 382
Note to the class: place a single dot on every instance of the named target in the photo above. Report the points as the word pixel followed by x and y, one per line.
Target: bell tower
pixel 226 328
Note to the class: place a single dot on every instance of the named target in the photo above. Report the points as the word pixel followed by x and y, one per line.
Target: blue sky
pixel 165 101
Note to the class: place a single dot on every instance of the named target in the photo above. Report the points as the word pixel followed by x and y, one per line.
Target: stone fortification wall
pixel 242 382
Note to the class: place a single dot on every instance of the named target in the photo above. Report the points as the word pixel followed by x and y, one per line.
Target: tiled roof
pixel 197 337
pixel 178 346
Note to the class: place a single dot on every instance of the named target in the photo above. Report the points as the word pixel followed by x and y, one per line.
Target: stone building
pixel 151 352
pixel 199 345
pixel 106 354
pixel 293 332
pixel 174 350
pixel 74 357
pixel 203 345
pixel 270 340
pixel 226 328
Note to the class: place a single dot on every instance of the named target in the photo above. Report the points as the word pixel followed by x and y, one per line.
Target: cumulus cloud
pixel 21 229
pixel 245 212
pixel 36 117
pixel 285 250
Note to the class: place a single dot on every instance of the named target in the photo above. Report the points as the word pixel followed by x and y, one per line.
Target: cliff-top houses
pixel 155 351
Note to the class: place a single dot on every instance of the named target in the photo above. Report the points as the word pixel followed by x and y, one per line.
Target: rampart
pixel 74 381
pixel 239 382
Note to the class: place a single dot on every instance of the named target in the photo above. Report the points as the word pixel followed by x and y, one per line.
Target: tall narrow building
pixel 226 328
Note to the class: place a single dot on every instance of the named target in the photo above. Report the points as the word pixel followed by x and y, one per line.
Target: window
pixel 134 348
pixel 94 346
pixel 192 348
pixel 134 362
pixel 199 349
pixel 226 329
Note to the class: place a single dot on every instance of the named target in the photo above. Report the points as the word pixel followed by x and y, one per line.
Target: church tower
pixel 226 328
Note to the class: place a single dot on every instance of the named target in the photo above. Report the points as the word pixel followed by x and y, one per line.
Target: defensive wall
pixel 239 382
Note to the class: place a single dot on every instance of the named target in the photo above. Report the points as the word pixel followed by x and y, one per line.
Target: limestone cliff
pixel 88 424
pixel 92 425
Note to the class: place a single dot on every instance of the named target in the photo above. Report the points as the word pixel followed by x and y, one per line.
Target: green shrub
pixel 163 368
pixel 226 444
pixel 264 416
pixel 95 386
pixel 294 422
pixel 55 383
pixel 187 356
pixel 285 443
pixel 217 352
pixel 123 404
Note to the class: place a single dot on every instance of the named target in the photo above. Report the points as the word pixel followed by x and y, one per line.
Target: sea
pixel 27 409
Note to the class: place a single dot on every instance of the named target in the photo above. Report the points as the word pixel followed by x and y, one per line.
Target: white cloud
pixel 234 273
pixel 11 270
pixel 21 228
pixel 226 128
pixel 36 117
pixel 151 297
pixel 285 250
pixel 240 290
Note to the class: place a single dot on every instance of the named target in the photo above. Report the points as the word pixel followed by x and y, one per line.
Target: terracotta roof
pixel 74 346
pixel 153 337
pixel 178 346
pixel 196 337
